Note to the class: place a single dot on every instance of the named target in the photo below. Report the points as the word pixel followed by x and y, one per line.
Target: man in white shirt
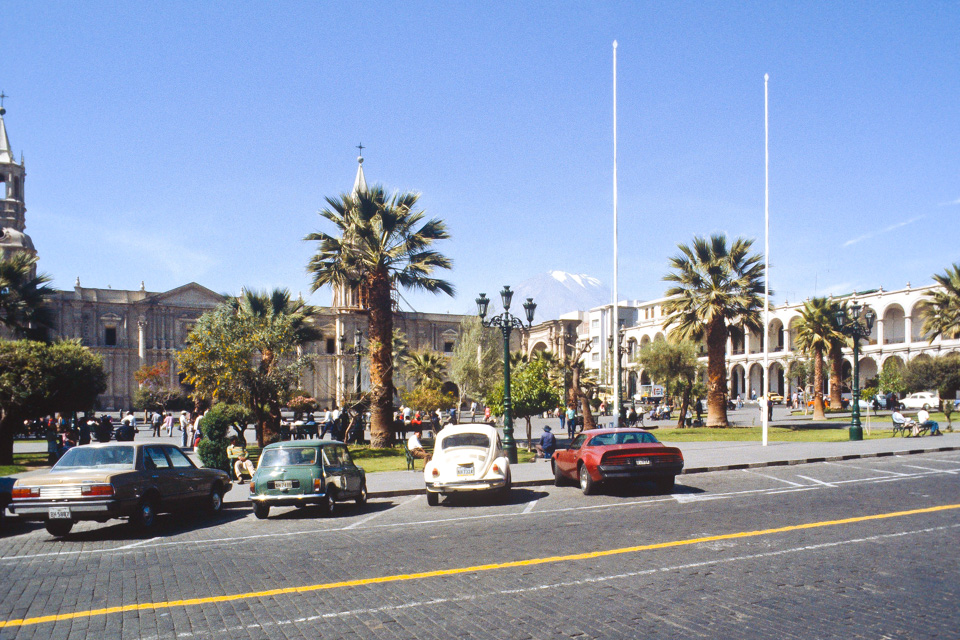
pixel 923 417
pixel 416 448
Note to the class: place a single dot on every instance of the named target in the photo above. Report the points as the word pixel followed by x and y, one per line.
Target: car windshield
pixel 288 456
pixel 96 458
pixel 481 440
pixel 605 439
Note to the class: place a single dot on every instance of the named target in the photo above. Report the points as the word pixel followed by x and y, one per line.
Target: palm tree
pixel 381 242
pixel 276 313
pixel 21 297
pixel 814 331
pixel 715 287
pixel 836 341
pixel 941 308
pixel 427 368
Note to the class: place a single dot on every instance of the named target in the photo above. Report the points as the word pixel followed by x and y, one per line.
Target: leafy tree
pixel 38 379
pixel 583 383
pixel 301 402
pixel 714 287
pixel 677 366
pixel 941 307
pixel 380 242
pixel 22 291
pixel 891 377
pixel 531 393
pixel 245 352
pixel 476 360
pixel 154 394
pixel 941 373
pixel 215 426
pixel 428 398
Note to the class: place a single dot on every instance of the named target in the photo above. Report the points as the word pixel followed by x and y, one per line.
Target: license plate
pixel 59 513
pixel 283 485
pixel 464 469
pixel 641 461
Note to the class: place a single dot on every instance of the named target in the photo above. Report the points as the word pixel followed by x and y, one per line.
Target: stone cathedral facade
pixel 132 328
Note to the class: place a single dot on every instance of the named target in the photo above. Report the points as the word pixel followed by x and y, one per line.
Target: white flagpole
pixel 766 257
pixel 616 303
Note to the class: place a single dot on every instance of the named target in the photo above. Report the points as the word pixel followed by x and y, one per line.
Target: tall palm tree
pixel 714 287
pixel 814 329
pixel 941 307
pixel 426 367
pixel 22 310
pixel 836 341
pixel 380 242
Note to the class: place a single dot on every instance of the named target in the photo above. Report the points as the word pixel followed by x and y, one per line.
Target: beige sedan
pixel 117 480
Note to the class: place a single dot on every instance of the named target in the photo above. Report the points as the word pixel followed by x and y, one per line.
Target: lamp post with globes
pixel 507 322
pixel 857 330
pixel 618 351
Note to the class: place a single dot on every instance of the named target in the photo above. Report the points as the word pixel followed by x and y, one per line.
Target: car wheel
pixel 215 500
pixel 926 407
pixel 146 515
pixel 433 499
pixel 665 484
pixel 558 479
pixel 362 498
pixel 587 485
pixel 326 507
pixel 59 528
pixel 262 511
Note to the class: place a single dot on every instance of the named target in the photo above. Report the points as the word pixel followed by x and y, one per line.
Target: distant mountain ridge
pixel 559 292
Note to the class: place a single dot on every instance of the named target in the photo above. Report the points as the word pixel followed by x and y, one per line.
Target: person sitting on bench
pixel 242 463
pixel 416 449
pixel 923 417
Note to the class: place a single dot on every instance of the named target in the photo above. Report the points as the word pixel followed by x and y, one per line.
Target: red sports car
pixel 602 455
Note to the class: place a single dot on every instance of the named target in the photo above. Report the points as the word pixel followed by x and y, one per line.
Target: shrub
pixel 215 426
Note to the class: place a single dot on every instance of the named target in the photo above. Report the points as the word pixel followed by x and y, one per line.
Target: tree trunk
pixel 589 422
pixel 7 427
pixel 836 367
pixel 381 361
pixel 529 433
pixel 717 374
pixel 271 423
pixel 818 413
pixel 684 405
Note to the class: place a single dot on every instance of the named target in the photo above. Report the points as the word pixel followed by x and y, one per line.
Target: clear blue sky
pixel 186 141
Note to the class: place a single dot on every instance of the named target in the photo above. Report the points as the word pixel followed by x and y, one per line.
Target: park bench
pixel 906 428
pixel 253 454
pixel 411 461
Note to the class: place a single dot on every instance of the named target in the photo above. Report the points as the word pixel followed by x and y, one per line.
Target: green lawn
pixel 24 462
pixel 393 459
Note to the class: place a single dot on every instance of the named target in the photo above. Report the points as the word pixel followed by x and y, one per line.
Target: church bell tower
pixel 12 209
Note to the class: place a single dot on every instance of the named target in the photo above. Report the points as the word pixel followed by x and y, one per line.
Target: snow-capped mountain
pixel 559 292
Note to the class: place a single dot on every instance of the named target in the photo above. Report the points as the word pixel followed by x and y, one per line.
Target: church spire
pixel 6 154
pixel 360 183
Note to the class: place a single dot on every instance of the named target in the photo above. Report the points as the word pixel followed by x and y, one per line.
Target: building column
pixel 141 340
pixel 908 329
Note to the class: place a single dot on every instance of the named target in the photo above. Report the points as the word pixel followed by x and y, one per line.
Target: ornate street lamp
pixel 618 353
pixel 507 322
pixel 356 350
pixel 857 330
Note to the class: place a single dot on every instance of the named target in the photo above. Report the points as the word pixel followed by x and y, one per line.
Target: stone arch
pixel 659 337
pixel 874 337
pixel 738 381
pixel 916 323
pixel 868 369
pixel 755 383
pixel 893 361
pixel 539 346
pixel 894 325
pixel 775 336
pixel 792 333
pixel 737 340
pixel 775 378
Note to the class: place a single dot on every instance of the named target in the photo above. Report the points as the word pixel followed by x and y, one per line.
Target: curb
pixel 726 467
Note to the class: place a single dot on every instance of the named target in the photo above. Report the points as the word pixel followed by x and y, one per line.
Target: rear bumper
pixel 290 500
pixel 85 510
pixel 466 485
pixel 629 472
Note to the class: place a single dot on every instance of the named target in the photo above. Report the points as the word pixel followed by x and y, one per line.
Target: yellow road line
pixel 476 568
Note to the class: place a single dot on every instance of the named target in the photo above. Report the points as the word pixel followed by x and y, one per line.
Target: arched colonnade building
pixel 897 335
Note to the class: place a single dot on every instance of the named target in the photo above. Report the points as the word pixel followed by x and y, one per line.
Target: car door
pixel 161 474
pixel 336 471
pixel 352 474
pixel 566 459
pixel 192 485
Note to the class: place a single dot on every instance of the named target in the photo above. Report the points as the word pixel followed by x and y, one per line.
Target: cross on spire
pixel 360 146
pixel 2 96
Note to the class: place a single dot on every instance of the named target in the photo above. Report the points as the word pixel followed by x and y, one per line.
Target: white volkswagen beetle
pixel 466 457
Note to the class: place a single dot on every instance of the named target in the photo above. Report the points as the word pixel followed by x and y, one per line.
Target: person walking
pixel 184 429
pixel 571 422
pixel 155 422
pixel 168 423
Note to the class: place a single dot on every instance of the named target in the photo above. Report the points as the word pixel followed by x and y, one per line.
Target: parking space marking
pixel 853 466
pixel 530 506
pixel 377 514
pixel 137 544
pixel 820 482
pixel 495 566
pixel 913 466
pixel 764 475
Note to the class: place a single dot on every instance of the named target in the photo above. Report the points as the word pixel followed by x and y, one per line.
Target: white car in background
pixel 921 400
pixel 466 458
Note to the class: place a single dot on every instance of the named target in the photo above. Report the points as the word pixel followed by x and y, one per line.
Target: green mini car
pixel 306 472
